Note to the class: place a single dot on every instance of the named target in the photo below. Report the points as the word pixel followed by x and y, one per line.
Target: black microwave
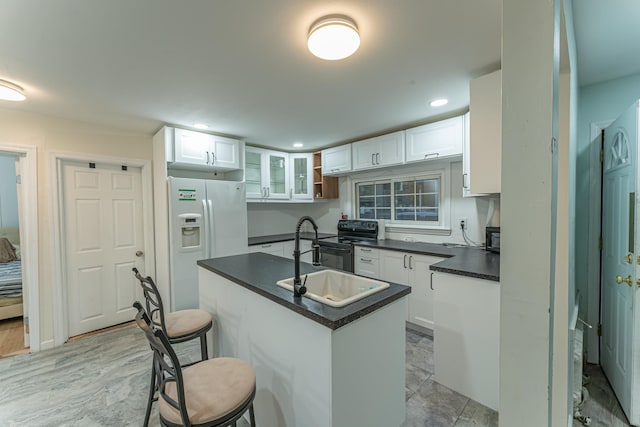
pixel 492 239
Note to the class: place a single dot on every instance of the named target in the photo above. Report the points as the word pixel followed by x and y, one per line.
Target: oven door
pixel 337 258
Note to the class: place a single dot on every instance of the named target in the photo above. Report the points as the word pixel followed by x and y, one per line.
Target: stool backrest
pixel 153 300
pixel 166 365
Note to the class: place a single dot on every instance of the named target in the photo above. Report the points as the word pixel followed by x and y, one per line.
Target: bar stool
pixel 214 392
pixel 178 326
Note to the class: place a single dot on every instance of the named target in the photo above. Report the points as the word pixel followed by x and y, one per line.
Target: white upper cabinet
pixel 301 176
pixel 483 156
pixel 266 174
pixel 435 140
pixel 205 151
pixel 384 150
pixel 336 160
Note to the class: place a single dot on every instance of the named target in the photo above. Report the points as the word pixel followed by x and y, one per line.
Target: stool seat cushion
pixel 213 389
pixel 185 322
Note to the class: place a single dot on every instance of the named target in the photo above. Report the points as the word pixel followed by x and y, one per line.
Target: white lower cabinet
pixel 467 336
pixel 412 270
pixel 366 262
pixel 269 248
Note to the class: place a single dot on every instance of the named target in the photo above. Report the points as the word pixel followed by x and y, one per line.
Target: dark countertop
pixel 463 261
pixel 259 273
pixel 274 238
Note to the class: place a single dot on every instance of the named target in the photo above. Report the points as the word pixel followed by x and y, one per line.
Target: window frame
pixel 444 202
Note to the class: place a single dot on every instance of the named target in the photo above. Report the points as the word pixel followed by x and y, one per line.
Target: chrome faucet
pixel 298 288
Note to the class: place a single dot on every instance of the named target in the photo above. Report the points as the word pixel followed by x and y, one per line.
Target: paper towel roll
pixel 381 228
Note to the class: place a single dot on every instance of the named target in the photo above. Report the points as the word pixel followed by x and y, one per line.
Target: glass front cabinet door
pixel 301 185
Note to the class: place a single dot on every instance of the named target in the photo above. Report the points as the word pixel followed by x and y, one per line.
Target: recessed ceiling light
pixel 298 144
pixel 200 126
pixel 439 102
pixel 333 37
pixel 11 92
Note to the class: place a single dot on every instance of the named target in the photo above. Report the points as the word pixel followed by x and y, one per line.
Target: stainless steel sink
pixel 336 288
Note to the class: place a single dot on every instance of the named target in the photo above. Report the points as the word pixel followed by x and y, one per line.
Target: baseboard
pixel 47 345
pixel 419 329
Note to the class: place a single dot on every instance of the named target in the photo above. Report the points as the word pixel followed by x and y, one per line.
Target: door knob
pixel 628 259
pixel 628 280
pixel 140 253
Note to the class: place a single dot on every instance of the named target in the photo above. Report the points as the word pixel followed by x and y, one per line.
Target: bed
pixel 10 277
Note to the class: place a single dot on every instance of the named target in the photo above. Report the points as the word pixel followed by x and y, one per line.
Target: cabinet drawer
pixel 367 266
pixel 269 248
pixel 367 252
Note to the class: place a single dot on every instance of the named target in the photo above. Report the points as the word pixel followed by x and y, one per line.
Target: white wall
pixel 276 218
pixel 49 134
pixel 8 192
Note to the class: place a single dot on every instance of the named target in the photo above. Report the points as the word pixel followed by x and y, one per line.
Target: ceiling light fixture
pixel 11 92
pixel 333 37
pixel 298 145
pixel 200 126
pixel 439 102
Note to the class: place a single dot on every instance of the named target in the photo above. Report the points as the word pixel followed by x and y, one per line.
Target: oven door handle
pixel 327 249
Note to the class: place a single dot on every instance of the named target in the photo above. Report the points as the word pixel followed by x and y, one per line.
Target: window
pixel 409 200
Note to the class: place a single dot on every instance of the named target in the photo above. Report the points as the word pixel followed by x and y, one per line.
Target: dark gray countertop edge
pixel 462 261
pixel 306 307
pixel 275 238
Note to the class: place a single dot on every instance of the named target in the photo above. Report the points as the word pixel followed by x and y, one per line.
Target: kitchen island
pixel 315 365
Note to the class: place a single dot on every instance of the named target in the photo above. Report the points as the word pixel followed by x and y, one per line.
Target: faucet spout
pixel 298 288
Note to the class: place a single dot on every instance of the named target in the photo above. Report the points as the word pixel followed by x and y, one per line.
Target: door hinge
pixel 599 329
pixel 600 244
pixel 602 155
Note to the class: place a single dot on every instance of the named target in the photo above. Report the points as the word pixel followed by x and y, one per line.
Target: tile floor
pixel 101 380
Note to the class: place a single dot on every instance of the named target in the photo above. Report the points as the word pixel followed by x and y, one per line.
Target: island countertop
pixel 275 238
pixel 259 273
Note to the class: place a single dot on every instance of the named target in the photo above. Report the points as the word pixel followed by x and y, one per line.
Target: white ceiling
pixel 242 66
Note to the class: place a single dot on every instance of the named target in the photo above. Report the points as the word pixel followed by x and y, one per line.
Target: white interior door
pixel 103 240
pixel 620 342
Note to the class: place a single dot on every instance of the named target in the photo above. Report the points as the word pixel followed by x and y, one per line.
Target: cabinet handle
pixel 368 261
pixel 365 250
pixel 265 246
pixel 268 191
pixel 373 155
pixel 464 181
pixel 291 193
pixel 207 157
pixel 431 284
pixel 213 158
pixel 435 155
pixel 410 258
pixel 377 158
pixel 404 262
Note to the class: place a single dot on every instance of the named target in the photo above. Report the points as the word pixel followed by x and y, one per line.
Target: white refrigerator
pixel 208 219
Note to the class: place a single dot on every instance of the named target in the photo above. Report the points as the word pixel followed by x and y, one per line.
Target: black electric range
pixel 337 252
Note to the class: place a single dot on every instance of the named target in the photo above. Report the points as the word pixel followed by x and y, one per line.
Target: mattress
pixel 11 279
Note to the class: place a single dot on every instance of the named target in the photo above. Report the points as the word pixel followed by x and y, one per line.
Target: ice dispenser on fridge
pixel 190 230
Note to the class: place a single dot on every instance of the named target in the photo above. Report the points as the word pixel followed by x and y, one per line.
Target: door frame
pixel 58 255
pixel 595 227
pixel 28 222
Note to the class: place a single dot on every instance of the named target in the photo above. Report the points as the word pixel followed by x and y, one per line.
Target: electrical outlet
pixel 463 223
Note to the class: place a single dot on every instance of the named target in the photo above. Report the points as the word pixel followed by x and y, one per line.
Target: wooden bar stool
pixel 215 392
pixel 178 326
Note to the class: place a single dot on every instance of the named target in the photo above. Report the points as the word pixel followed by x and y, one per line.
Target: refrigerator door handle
pixel 205 232
pixel 211 232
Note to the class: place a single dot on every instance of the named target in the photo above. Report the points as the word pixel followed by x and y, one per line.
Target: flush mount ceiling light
pixel 11 92
pixel 298 144
pixel 439 102
pixel 333 37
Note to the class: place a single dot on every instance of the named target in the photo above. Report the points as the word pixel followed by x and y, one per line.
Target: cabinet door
pixel 435 140
pixel 192 147
pixel 301 175
pixel 277 169
pixel 421 297
pixel 336 160
pixel 485 139
pixel 225 153
pixel 253 173
pixel 384 150
pixel 394 267
pixel 364 153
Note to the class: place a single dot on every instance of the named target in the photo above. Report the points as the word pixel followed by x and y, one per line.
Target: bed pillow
pixel 7 251
pixel 17 249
